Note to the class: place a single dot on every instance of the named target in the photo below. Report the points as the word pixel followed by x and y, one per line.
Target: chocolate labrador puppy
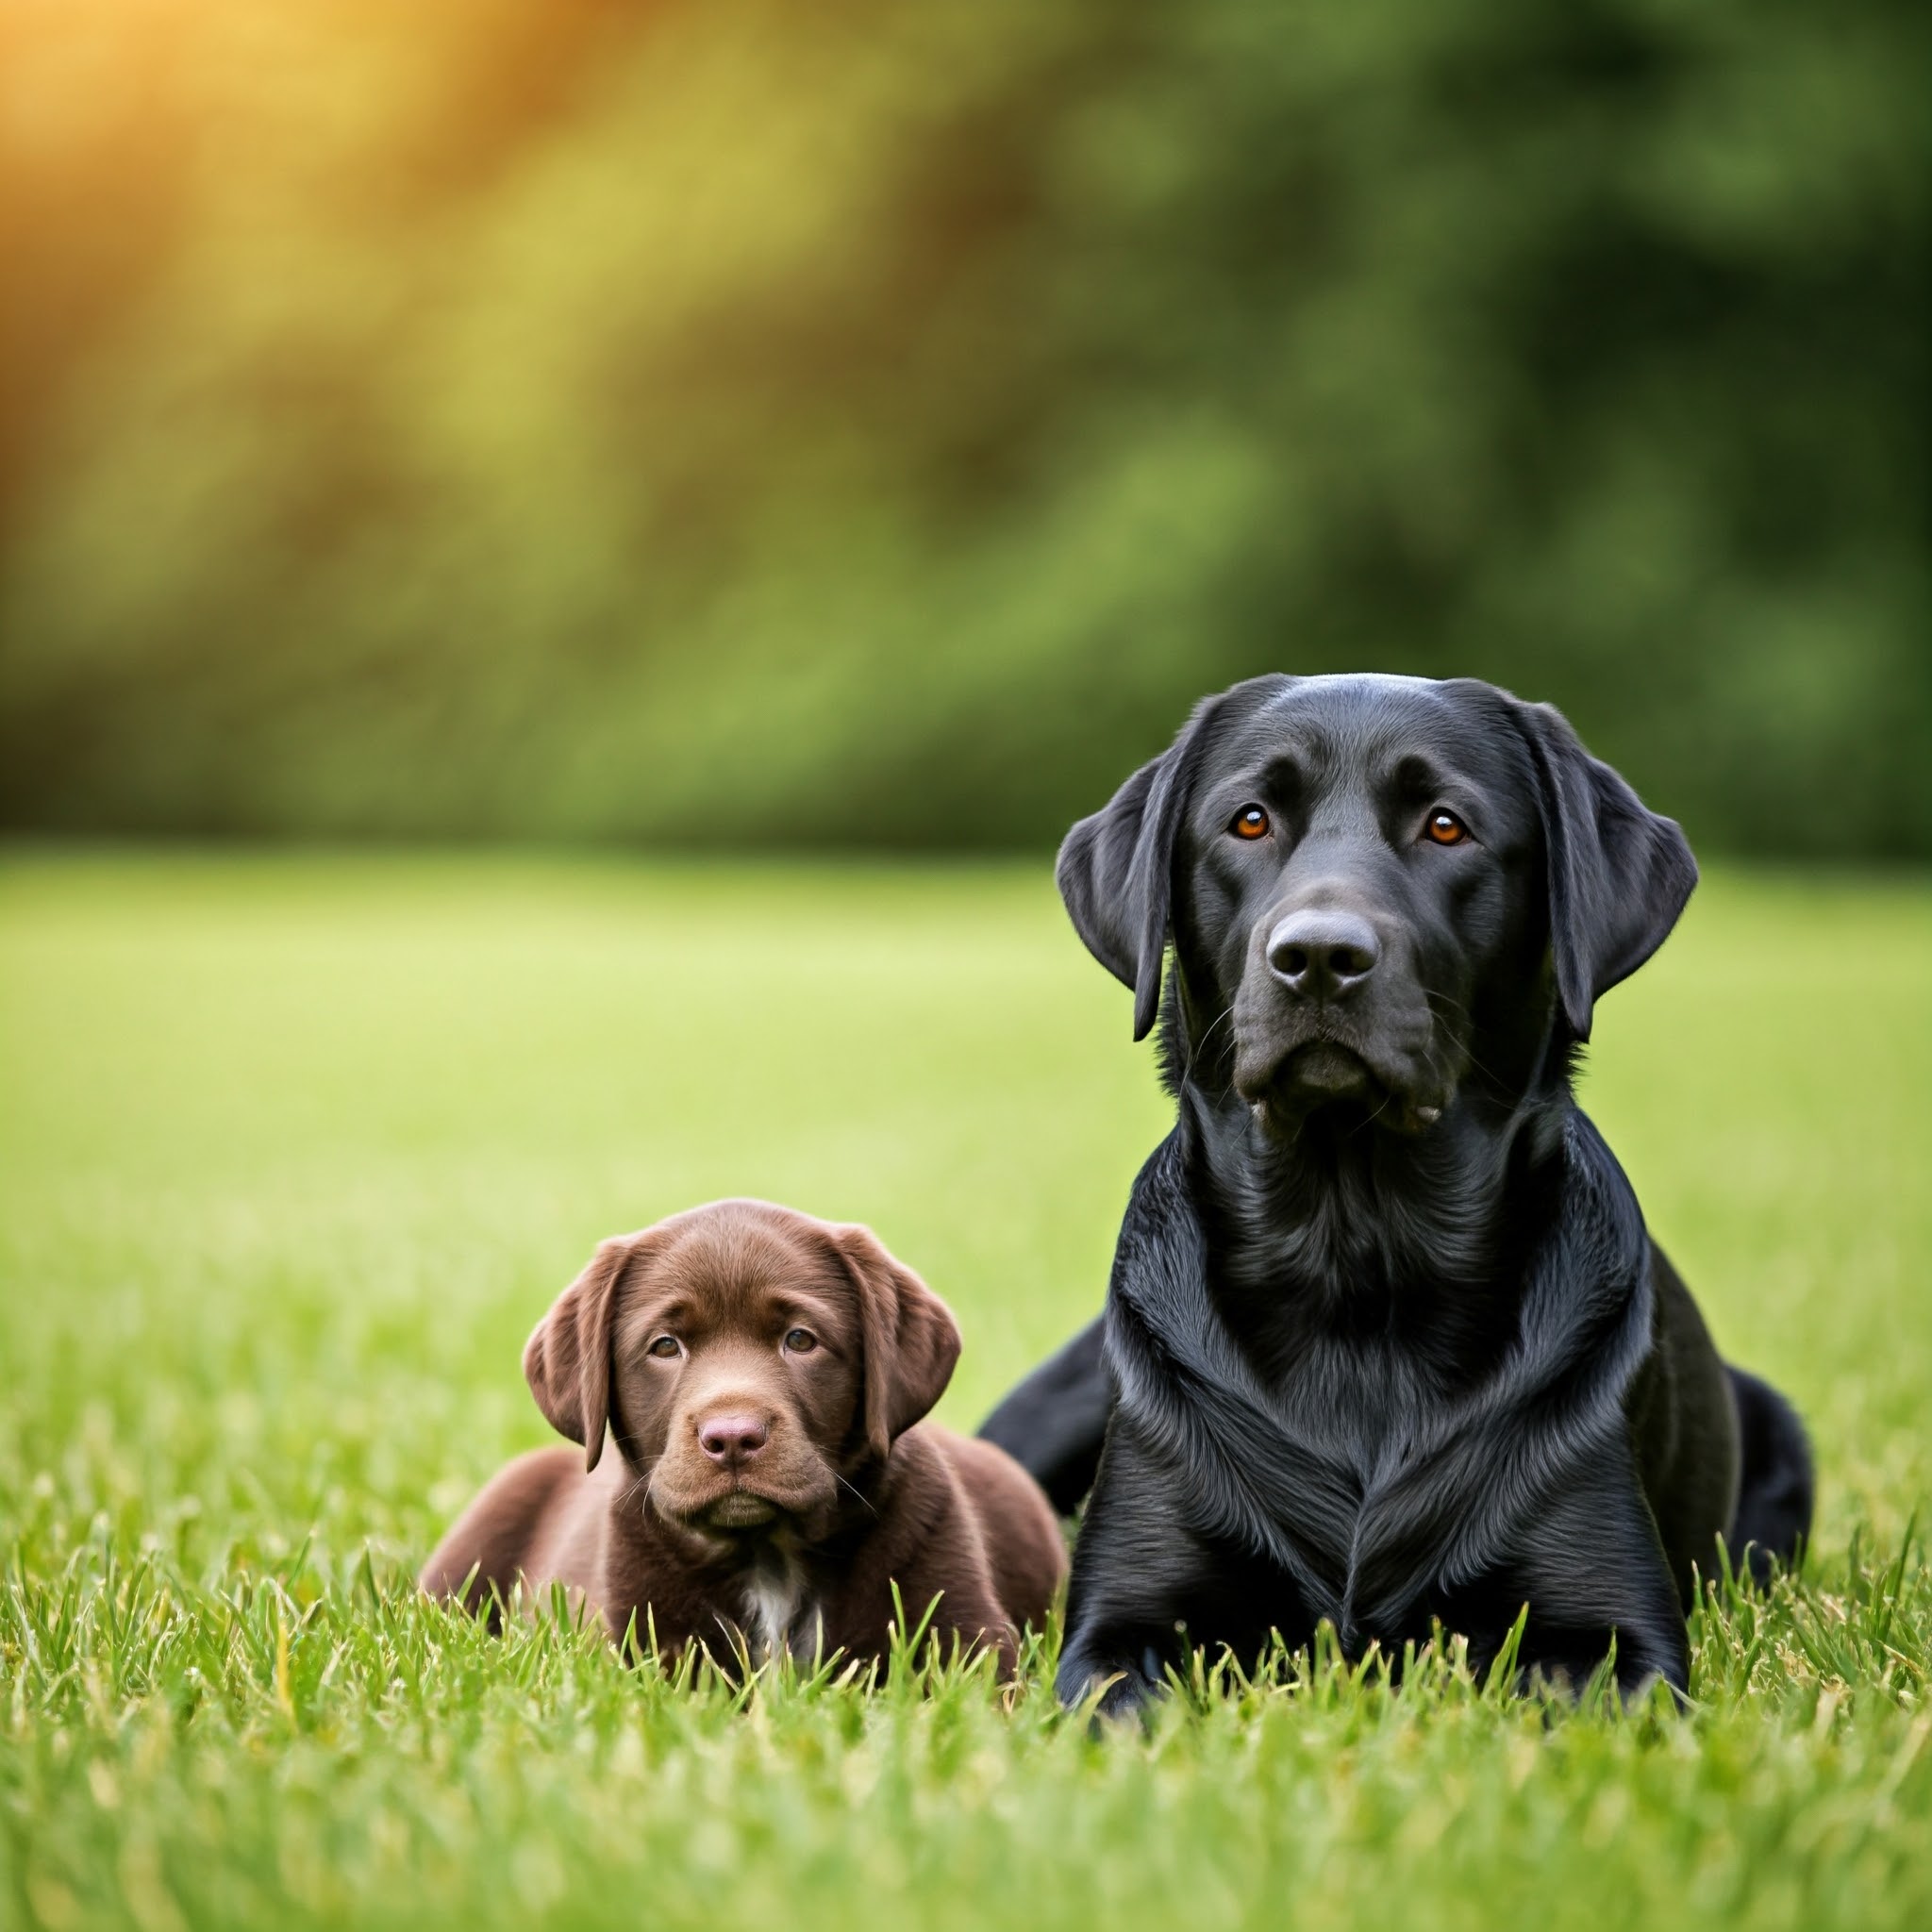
pixel 762 1375
pixel 1386 1340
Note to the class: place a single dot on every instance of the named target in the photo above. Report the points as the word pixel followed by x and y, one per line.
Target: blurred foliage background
pixel 873 424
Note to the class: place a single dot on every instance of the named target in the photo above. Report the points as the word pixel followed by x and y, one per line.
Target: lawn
pixel 295 1150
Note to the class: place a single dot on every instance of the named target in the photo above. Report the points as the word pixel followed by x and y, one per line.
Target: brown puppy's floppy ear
pixel 1619 875
pixel 567 1359
pixel 1115 868
pixel 912 1343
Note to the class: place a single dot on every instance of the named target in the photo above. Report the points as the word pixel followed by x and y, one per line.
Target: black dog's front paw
pixel 1127 1688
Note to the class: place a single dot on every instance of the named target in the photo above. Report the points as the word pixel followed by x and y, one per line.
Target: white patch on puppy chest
pixel 773 1602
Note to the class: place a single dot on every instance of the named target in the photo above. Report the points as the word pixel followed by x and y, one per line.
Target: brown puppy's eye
pixel 1251 822
pixel 800 1341
pixel 1445 829
pixel 666 1348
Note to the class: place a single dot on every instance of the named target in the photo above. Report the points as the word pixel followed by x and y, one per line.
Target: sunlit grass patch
pixel 312 1742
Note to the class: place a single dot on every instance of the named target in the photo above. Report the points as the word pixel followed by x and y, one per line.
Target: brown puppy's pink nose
pixel 731 1438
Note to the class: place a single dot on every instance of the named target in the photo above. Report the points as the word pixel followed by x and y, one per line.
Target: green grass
pixel 293 1152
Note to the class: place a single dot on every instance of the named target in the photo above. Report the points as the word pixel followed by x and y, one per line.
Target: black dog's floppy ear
pixel 1619 874
pixel 911 1340
pixel 1112 872
pixel 567 1359
pixel 1115 868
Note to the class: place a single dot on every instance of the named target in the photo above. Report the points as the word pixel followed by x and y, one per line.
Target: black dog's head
pixel 1374 884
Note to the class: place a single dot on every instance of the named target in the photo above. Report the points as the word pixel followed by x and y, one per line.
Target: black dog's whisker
pixel 1489 1074
pixel 1197 1048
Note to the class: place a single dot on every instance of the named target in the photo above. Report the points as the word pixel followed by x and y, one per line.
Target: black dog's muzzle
pixel 1329 1016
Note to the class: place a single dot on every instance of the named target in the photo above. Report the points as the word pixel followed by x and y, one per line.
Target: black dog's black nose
pixel 1323 953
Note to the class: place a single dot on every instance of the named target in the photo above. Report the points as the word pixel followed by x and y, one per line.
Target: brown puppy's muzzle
pixel 740 1455
pixel 1331 1012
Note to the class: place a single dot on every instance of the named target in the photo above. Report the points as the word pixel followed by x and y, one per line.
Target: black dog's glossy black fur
pixel 1386 1340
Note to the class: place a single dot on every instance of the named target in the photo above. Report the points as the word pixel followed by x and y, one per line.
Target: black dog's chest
pixel 1346 1429
pixel 1370 1415
pixel 1360 1374
pixel 1364 1406
pixel 1361 1348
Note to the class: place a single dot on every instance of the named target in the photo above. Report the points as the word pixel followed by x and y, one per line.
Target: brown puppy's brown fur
pixel 762 1375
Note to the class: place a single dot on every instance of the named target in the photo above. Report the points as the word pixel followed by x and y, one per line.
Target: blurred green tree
pixel 862 424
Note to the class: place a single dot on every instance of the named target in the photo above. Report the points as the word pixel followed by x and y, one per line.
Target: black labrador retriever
pixel 1386 1340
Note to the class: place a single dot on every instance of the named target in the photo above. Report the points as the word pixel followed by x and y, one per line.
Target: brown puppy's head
pixel 745 1358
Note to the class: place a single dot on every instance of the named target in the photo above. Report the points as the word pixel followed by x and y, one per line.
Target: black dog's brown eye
pixel 666 1347
pixel 801 1340
pixel 1251 822
pixel 1445 829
